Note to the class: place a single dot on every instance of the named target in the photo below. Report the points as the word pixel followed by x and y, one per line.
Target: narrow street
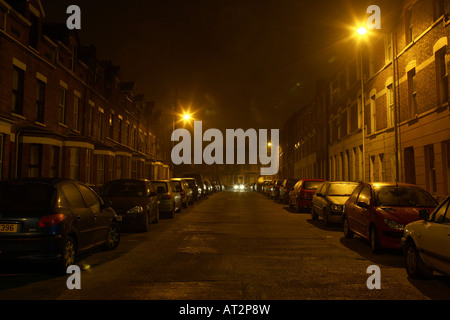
pixel 231 246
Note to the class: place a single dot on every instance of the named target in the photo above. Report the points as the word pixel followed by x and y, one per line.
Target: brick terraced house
pixel 406 114
pixel 64 112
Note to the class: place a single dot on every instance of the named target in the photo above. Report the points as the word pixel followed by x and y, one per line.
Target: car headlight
pixel 336 207
pixel 137 209
pixel 236 186
pixel 241 187
pixel 394 225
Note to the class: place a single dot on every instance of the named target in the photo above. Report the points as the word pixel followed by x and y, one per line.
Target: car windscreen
pixel 341 189
pixel 291 183
pixel 125 189
pixel 311 185
pixel 160 186
pixel 35 197
pixel 403 196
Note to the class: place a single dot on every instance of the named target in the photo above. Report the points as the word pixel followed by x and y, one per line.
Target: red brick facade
pixel 63 112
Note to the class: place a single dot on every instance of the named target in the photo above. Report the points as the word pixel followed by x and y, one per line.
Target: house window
pixel 409 26
pixel 62 105
pixel 430 168
pixel 373 114
pixel 100 169
pixel 388 47
pixel 88 166
pixel 119 129
pixel 17 90
pixel 54 162
pixel 412 101
pixel 40 101
pixel 35 164
pixel 442 76
pixel 390 106
pixel 410 165
pixel 76 111
pixel 111 125
pixel 74 164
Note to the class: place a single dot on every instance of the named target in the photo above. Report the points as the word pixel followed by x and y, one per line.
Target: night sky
pixel 238 64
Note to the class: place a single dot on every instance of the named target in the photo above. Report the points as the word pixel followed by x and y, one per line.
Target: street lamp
pixel 362 31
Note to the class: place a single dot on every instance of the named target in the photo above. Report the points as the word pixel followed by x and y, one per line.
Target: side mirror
pixel 362 205
pixel 107 204
pixel 424 214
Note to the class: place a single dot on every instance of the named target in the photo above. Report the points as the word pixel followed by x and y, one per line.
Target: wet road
pixel 231 246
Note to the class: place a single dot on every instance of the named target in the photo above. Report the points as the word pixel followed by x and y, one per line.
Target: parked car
pixel 426 243
pixel 135 202
pixel 285 189
pixel 199 178
pixel 379 212
pixel 301 194
pixel 169 199
pixel 275 192
pixel 329 200
pixel 196 190
pixel 185 191
pixel 53 220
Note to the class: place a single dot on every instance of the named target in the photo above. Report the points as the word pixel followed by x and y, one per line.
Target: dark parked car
pixel 301 194
pixel 135 202
pixel 196 190
pixel 169 198
pixel 53 220
pixel 285 189
pixel 275 193
pixel 379 212
pixel 200 182
pixel 185 191
pixel 329 200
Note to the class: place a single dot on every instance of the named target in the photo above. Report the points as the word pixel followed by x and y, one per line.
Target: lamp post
pixel 362 31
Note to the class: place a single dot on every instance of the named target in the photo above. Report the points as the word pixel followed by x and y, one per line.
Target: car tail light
pixel 51 220
pixel 167 196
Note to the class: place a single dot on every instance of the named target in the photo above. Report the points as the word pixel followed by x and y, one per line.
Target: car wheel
pixel 374 240
pixel 290 203
pixel 325 218
pixel 145 222
pixel 68 255
pixel 113 238
pixel 156 220
pixel 347 232
pixel 297 206
pixel 414 265
pixel 314 215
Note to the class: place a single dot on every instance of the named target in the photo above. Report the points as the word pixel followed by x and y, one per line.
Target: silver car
pixel 169 199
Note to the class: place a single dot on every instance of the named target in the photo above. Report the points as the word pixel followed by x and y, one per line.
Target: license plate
pixel 8 227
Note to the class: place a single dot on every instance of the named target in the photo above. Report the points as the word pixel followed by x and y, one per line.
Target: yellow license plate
pixel 8 227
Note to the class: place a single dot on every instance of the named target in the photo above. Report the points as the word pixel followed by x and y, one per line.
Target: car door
pixel 100 218
pixel 435 239
pixel 361 212
pixel 83 217
pixel 152 200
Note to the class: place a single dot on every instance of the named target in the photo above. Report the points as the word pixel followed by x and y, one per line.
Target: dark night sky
pixel 243 64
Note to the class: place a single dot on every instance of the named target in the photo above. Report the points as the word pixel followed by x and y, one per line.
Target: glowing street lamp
pixel 361 31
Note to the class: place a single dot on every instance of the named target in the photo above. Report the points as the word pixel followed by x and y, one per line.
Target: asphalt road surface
pixel 232 246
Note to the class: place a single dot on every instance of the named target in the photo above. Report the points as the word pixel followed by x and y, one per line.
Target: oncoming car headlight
pixel 236 186
pixel 394 225
pixel 241 187
pixel 137 209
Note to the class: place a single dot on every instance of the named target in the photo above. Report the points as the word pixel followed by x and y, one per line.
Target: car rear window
pixel 403 196
pixel 311 185
pixel 125 189
pixel 159 185
pixel 35 197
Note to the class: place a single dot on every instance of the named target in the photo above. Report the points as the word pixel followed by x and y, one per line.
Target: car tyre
pixel 347 232
pixel 113 238
pixel 326 221
pixel 68 255
pixel 314 215
pixel 414 265
pixel 156 220
pixel 145 222
pixel 374 240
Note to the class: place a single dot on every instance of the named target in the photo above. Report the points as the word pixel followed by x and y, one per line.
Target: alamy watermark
pixel 214 152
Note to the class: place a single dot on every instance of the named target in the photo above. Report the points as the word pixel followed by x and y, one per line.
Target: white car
pixel 426 243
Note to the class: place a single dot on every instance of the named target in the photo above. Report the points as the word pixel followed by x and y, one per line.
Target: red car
pixel 379 212
pixel 302 193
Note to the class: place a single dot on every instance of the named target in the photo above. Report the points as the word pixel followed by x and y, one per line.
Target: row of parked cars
pixel 52 220
pixel 388 215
